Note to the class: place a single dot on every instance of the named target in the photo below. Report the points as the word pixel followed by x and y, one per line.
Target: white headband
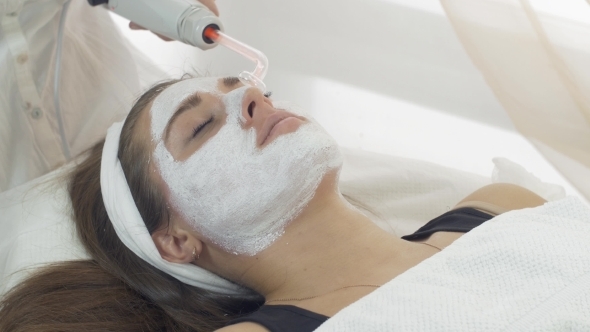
pixel 131 229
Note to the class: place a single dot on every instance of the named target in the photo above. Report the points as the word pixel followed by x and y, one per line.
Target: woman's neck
pixel 330 245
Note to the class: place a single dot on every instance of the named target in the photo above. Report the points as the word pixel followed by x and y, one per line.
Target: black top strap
pixel 460 220
pixel 284 318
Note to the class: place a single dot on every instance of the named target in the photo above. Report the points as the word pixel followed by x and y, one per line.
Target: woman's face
pixel 199 116
pixel 236 168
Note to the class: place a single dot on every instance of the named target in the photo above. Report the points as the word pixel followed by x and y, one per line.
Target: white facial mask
pixel 236 195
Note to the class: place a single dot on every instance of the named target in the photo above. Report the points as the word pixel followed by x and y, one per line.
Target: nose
pixel 255 106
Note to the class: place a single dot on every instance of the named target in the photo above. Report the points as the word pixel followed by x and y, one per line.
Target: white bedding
pixel 525 270
pixel 399 194
pixel 35 228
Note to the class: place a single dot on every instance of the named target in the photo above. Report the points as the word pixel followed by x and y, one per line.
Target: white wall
pixel 383 75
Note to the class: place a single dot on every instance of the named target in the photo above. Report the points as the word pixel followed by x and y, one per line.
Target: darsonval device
pixel 190 22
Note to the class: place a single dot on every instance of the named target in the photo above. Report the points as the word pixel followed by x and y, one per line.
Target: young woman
pixel 210 208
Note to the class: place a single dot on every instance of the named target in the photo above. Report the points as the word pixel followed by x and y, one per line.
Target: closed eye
pixel 198 129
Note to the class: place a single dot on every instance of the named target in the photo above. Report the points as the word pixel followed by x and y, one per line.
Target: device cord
pixel 56 81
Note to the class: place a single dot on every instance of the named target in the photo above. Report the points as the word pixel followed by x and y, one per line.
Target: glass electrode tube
pixel 248 78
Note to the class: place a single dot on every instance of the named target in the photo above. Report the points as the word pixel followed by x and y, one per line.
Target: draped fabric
pixel 524 270
pixel 538 66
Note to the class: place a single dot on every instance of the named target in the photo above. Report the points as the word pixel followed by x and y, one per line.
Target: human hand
pixel 208 3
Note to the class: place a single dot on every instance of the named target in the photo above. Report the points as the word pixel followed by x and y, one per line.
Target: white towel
pixel 526 270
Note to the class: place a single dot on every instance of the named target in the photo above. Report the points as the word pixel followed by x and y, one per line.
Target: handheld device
pixel 188 21
pixel 182 20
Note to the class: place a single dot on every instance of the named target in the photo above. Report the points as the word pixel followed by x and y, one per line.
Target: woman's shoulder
pixel 243 327
pixel 475 209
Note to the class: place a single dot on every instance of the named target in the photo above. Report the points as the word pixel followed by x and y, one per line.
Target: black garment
pixel 461 220
pixel 284 318
pixel 288 318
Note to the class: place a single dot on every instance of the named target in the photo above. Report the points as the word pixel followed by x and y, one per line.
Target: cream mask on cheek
pixel 236 195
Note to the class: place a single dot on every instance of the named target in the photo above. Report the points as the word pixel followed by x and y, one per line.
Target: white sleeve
pixel 10 6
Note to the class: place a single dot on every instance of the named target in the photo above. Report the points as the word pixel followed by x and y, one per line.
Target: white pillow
pixel 36 228
pixel 401 195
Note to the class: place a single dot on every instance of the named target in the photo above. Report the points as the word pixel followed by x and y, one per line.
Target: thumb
pixel 211 5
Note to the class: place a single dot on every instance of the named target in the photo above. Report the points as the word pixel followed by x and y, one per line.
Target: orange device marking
pixel 211 33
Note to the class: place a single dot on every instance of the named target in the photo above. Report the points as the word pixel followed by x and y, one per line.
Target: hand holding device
pixel 182 20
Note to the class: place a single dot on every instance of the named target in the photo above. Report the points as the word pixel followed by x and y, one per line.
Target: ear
pixel 177 244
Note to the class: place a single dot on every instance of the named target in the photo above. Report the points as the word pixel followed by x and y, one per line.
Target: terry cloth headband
pixel 131 229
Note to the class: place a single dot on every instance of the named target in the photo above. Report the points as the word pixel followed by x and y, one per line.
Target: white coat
pixel 99 80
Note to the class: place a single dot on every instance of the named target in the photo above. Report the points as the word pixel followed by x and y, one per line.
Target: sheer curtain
pixel 538 65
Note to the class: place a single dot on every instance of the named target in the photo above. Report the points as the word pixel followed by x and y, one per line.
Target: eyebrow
pixel 193 101
pixel 229 82
pixel 190 102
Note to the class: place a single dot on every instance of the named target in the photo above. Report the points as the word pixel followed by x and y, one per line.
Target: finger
pixel 211 5
pixel 135 26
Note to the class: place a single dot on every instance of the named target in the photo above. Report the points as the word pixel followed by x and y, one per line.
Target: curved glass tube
pixel 253 78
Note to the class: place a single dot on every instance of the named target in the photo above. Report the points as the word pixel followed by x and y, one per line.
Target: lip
pixel 269 124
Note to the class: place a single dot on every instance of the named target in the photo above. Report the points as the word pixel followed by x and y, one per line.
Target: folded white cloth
pixel 525 270
pixel 507 171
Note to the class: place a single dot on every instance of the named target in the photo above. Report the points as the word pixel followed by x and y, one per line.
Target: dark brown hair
pixel 116 283
pixel 78 296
